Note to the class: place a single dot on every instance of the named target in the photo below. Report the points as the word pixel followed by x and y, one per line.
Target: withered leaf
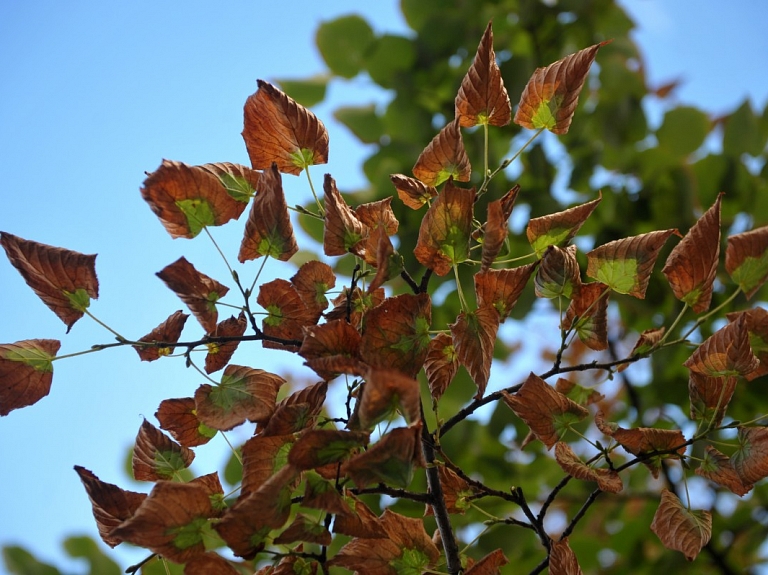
pixel 549 99
pixel 318 447
pixel 287 315
pixel 725 352
pixel 679 528
pixel 558 275
pixel 209 564
pixel 263 456
pixel 195 289
pixel 376 216
pixel 111 504
pixel 352 306
pixel 441 364
pixel 444 158
pixel 489 565
pixel 413 193
pixel 390 460
pixel 279 130
pixel 268 231
pixel 388 262
pixel 156 456
pixel 710 396
pixel 746 259
pixel 717 467
pixel 457 493
pixel 312 281
pixel 607 479
pixel 559 228
pixel 65 280
pixel 547 412
pixel 244 393
pixel 692 264
pixel 474 336
pixel 385 392
pixel 582 395
pixel 562 559
pixel 757 326
pixel 298 411
pixel 446 229
pixel 187 199
pixel 360 522
pixel 179 418
pixel 306 529
pixel 588 310
pixel 219 354
pixel 482 97
pixel 625 265
pixel 343 231
pixel 495 231
pixel 335 337
pixel 26 372
pixel 750 460
pixel 645 343
pixel 167 332
pixel 502 288
pixel 320 493
pixel 291 565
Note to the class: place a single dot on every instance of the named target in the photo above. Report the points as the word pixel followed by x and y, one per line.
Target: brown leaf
pixel 209 564
pixel 244 393
pixel 495 231
pixel 413 193
pixel 287 315
pixel 589 311
pixel 625 265
pixel 320 493
pixel 195 289
pixel 318 447
pixel 446 229
pixel 388 262
pixel 360 522
pixel 710 397
pixel 717 467
pixel 549 99
pixel 582 395
pixel 298 411
pixel 179 418
pixel 558 275
pixel 187 199
pixel 692 264
pixel 351 307
pixel 219 354
pixel 278 130
pixel 343 231
pixel 291 565
pixel 502 288
pixel 111 504
pixel 646 342
pixel 457 493
pixel 335 337
pixel 156 456
pixel 65 280
pixel 725 352
pixel 312 281
pixel 679 528
pixel 474 336
pixel 757 326
pixel 386 391
pixel 376 216
pixel 489 565
pixel 746 259
pixel 547 412
pixel 167 332
pixel 559 228
pixel 482 97
pixel 263 456
pixel 607 479
pixel 562 559
pixel 26 372
pixel 444 158
pixel 390 460
pixel 441 364
pixel 751 458
pixel 268 231
pixel 306 529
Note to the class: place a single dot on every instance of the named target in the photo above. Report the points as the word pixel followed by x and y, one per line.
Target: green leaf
pixel 389 56
pixel 683 131
pixel 87 548
pixel 742 133
pixel 199 214
pixel 307 92
pixel 35 357
pixel 169 463
pixel 191 534
pixel 362 121
pixel 303 158
pixel 19 561
pixel 619 274
pixel 751 272
pixel 79 300
pixel 412 562
pixel 238 188
pixel 544 116
pixel 343 44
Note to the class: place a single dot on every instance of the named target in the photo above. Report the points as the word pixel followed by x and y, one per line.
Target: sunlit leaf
pixel 588 315
pixel 746 259
pixel 441 364
pixel 502 288
pixel 26 372
pixel 376 216
pixel 474 336
pixel 562 559
pixel 444 158
pixel 179 418
pixel 287 315
pixel 679 528
pixel 413 193
pixel 167 332
pixel 496 228
pixel 559 228
pixel 318 447
pixel 710 396
pixel 156 456
pixel 390 460
pixel 726 352
pixel 343 231
pixel 558 275
pixel 717 467
pixel 750 460
pixel 607 479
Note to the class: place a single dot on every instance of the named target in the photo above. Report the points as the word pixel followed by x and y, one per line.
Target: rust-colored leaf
pixel 717 467
pixel 559 228
pixel 482 97
pixel 287 315
pixel 306 529
pixel 502 288
pixel 179 418
pixel 376 216
pixel 387 391
pixel 679 528
pixel 491 564
pixel 457 493
pixel 413 193
pixel 360 521
pixel 546 411
pixel 244 393
pixel 298 411
pixel 195 289
pixel 588 315
pixel 268 231
pixel 65 280
pixel 343 231
pixel 607 479
pixel 746 259
pixel 390 460
pixel 332 338
pixel 725 352
pixel 352 306
pixel 187 199
pixel 549 99
pixel 156 456
pixel 444 158
pixel 710 396
pixel 278 130
pixel 167 332
pixel 582 395
pixel 441 364
pixel 209 564
pixel 757 327
pixel 26 372
pixel 291 565
pixel 646 342
pixel 388 262
pixel 692 264
pixel 495 231
pixel 111 504
pixel 474 336
pixel 320 493
pixel 446 229
pixel 750 460
pixel 625 265
pixel 263 456
pixel 318 447
pixel 558 275
pixel 312 281
pixel 219 354
pixel 562 559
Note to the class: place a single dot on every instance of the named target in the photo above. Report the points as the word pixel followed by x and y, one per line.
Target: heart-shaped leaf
pixel 746 259
pixel 679 528
pixel 26 372
pixel 444 158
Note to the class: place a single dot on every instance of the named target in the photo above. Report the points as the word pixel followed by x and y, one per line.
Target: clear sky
pixel 93 94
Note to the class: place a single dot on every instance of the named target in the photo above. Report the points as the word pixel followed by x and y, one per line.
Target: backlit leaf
pixel 298 411
pixel 195 289
pixel 444 158
pixel 156 456
pixel 263 456
pixel 495 232
pixel 26 372
pixel 414 193
pixel 679 528
pixel 588 310
pixel 502 288
pixel 562 559
pixel 219 354
pixel 385 392
pixel 457 493
pixel 584 396
pixel 558 275
pixel 710 396
pixel 625 265
pixel 287 315
pixel 717 467
pixel 313 280
pixel 441 364
pixel 390 460
pixel 757 327
pixel 482 97
pixel 692 265
pixel 332 338
pixel 351 306
pixel 278 130
pixel 750 460
pixel 607 479
pixel 179 418
pixel 551 95
pixel 474 336
pixel 726 352
pixel 376 216
pixel 646 342
pixel 559 228
pixel 491 564
pixel 360 522
pixel 306 529
pixel 268 231
pixel 343 232
pixel 209 564
pixel 746 259
pixel 167 332
pixel 318 447
pixel 65 280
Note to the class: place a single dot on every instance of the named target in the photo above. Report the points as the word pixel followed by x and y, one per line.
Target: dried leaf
pixel 562 559
pixel 385 392
pixel 313 280
pixel 343 231
pixel 726 352
pixel 195 289
pixel 717 467
pixel 209 564
pixel 495 232
pixel 444 158
pixel 692 265
pixel 263 456
pixel 607 479
pixel 559 228
pixel 746 260
pixel 750 460
pixel 589 311
pixel 352 306
pixel 757 327
pixel 306 529
pixel 65 280
pixel 390 460
pixel 26 372
pixel 329 339
pixel 457 493
pixel 558 275
pixel 298 411
pixel 502 288
pixel 167 332
pixel 489 565
pixel 549 99
pixel 179 418
pixel 645 343
pixel 482 97
pixel 710 397
pixel 625 265
pixel 388 262
pixel 679 528
pixel 360 522
pixel 322 494
pixel 446 229
pixel 318 447
pixel 413 193
pixel 376 216
pixel 582 395
pixel 278 130
pixel 474 336
pixel 157 457
pixel 268 231
pixel 441 364
pixel 219 354
pixel 287 315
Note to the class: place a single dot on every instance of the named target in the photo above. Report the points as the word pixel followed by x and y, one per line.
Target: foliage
pixel 339 473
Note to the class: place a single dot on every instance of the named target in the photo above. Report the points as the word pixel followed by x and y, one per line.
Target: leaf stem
pixel 314 194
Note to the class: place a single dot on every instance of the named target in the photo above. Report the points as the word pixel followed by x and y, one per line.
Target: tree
pixel 605 132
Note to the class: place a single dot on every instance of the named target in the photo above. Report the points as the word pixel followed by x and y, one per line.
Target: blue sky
pixel 94 94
